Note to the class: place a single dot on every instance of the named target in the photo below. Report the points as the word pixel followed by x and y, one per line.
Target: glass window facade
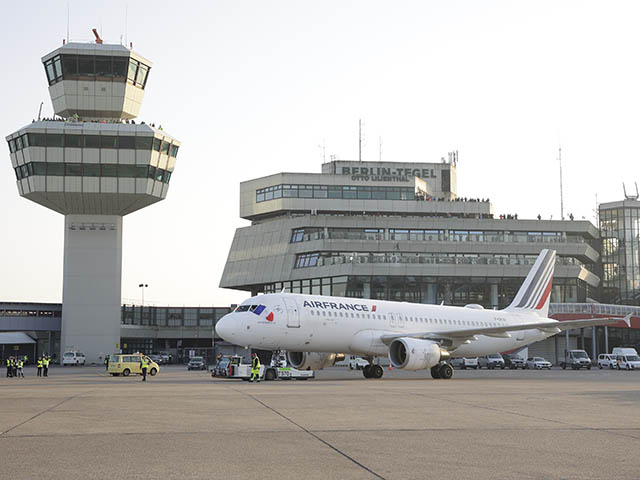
pixel 460 291
pixel 91 141
pixel 620 234
pixel 171 317
pixel 333 191
pixel 433 235
pixel 92 170
pixel 96 67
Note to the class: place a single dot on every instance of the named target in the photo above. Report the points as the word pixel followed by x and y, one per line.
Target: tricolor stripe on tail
pixel 535 292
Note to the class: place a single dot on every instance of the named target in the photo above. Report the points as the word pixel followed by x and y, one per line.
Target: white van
pixel 628 358
pixel 72 358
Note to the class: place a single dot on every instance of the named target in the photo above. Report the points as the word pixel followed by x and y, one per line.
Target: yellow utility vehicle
pixel 127 363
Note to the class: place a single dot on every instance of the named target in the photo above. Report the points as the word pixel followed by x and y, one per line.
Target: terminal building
pixel 402 232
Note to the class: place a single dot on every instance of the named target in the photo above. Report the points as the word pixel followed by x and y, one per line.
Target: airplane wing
pixel 468 334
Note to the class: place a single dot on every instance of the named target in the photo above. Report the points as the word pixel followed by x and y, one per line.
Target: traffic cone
pixel 390 366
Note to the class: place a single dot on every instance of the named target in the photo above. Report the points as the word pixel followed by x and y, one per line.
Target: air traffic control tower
pixel 94 165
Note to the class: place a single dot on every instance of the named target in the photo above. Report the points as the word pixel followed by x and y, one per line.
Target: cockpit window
pixel 242 308
pixel 259 309
pixel 252 308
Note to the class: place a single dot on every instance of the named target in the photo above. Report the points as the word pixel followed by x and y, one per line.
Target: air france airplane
pixel 313 329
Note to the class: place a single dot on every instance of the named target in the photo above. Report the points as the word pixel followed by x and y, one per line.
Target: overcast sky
pixel 253 88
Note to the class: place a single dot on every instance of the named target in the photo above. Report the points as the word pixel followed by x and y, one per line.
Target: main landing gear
pixel 371 370
pixel 442 370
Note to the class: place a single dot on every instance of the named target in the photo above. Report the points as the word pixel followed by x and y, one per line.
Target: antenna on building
pixel 630 197
pixel 380 149
pixel 67 22
pixel 324 151
pixel 359 139
pixel 561 195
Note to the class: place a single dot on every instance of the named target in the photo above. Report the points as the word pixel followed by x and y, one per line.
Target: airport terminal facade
pixel 400 231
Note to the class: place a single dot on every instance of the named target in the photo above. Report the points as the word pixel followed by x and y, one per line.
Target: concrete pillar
pixel 91 294
pixel 566 340
pixel 494 295
pixel 366 290
pixel 606 339
pixel 594 347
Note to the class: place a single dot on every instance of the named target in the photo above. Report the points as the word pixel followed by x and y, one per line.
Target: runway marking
pixel 44 411
pixel 335 449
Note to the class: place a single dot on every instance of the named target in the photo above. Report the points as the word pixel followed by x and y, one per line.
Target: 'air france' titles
pixel 336 306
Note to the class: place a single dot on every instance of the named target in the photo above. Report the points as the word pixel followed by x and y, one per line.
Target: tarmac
pixel 80 423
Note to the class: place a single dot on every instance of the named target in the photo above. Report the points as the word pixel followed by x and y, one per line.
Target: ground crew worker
pixel 255 367
pixel 45 366
pixel 14 366
pixel 106 363
pixel 143 366
pixel 8 363
pixel 40 365
pixel 19 371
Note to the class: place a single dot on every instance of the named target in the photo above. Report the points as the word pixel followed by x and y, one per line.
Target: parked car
pixel 72 358
pixel 607 360
pixel 357 363
pixel 196 363
pixel 157 358
pixel 491 361
pixel 537 363
pixel 514 362
pixel 576 359
pixel 465 362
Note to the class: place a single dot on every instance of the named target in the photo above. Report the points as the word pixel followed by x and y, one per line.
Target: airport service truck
pixel 276 370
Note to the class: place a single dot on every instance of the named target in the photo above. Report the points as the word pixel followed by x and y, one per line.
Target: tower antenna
pixel 561 196
pixel 67 22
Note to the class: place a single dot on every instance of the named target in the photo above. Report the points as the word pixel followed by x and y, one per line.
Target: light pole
pixel 142 286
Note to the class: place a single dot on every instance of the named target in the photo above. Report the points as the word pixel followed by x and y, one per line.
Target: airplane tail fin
pixel 535 292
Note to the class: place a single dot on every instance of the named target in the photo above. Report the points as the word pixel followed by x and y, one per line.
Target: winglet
pixel 627 320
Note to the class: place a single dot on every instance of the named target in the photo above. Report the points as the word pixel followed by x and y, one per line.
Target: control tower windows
pixel 91 141
pixel 92 170
pixel 144 143
pixel 76 67
pixel 86 67
pixel 73 141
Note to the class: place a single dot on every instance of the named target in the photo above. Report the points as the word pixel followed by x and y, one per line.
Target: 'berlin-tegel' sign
pixel 383 174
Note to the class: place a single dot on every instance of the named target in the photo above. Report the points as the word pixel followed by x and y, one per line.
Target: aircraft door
pixel 392 320
pixel 293 315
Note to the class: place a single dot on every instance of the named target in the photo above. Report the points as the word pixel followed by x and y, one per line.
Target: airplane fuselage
pixel 310 323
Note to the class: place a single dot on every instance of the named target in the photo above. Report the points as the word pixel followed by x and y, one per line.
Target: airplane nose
pixel 224 327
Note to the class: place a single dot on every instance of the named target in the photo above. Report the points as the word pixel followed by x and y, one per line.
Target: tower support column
pixel 91 297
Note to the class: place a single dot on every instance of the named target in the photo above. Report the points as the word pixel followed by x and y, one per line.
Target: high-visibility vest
pixel 40 363
pixel 145 364
pixel 20 363
pixel 45 362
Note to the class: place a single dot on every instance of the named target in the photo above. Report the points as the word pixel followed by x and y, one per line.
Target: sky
pixel 257 87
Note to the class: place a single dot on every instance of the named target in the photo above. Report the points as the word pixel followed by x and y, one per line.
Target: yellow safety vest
pixel 20 364
pixel 145 364
pixel 39 363
pixel 45 362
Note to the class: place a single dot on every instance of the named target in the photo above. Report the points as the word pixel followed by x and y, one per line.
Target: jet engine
pixel 415 354
pixel 313 360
